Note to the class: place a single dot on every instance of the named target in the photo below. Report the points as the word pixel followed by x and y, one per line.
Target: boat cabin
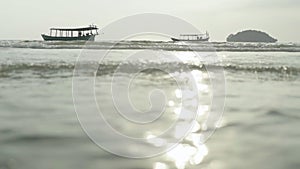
pixel 70 34
pixel 194 36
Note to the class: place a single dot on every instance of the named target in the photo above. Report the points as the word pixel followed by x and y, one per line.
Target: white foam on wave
pixel 159 45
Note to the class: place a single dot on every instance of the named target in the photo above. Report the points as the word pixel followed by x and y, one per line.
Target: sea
pixel 149 105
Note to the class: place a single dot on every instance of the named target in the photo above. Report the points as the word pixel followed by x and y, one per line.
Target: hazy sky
pixel 27 19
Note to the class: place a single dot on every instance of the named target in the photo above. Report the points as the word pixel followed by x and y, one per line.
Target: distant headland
pixel 251 36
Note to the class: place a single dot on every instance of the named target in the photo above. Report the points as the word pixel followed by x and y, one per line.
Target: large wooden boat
pixel 72 34
pixel 192 37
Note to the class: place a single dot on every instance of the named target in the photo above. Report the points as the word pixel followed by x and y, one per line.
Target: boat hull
pixel 184 40
pixel 78 38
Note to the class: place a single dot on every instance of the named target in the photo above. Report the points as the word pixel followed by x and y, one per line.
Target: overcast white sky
pixel 27 19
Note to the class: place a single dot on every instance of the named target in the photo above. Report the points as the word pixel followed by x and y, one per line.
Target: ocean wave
pixel 156 45
pixel 259 69
pixel 39 138
pixel 281 114
pixel 106 68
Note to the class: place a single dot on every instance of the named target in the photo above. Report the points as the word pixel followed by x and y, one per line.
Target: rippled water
pixel 39 127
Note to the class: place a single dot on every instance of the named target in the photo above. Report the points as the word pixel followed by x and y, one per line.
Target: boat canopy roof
pixel 92 27
pixel 192 34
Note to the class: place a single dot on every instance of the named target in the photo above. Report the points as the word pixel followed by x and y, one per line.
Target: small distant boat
pixel 72 34
pixel 192 37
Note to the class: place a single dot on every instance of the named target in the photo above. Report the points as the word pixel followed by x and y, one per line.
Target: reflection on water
pixel 184 154
pixel 191 150
pixel 159 165
pixel 185 108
